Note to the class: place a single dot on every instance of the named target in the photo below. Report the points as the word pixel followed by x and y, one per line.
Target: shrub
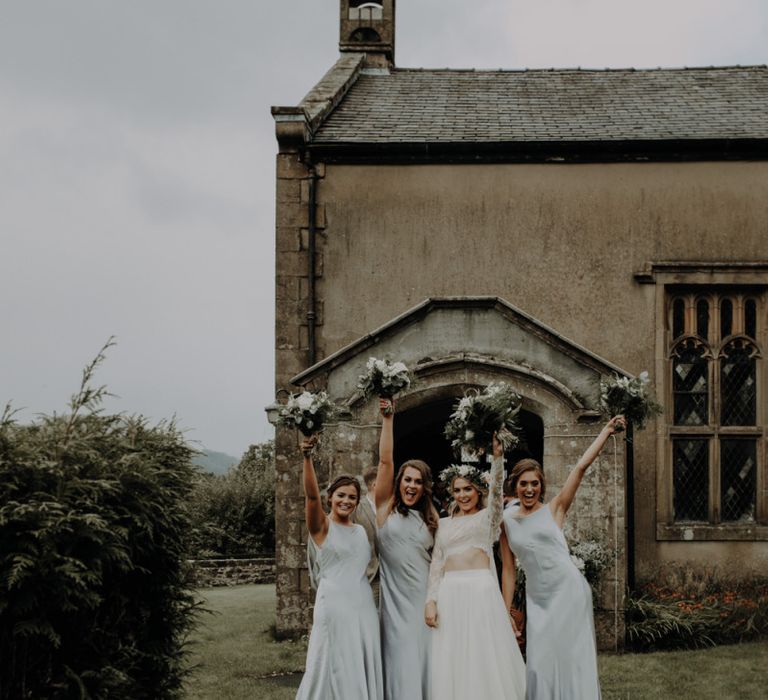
pixel 689 610
pixel 233 514
pixel 93 596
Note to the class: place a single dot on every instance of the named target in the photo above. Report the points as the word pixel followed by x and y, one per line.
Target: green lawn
pixel 235 653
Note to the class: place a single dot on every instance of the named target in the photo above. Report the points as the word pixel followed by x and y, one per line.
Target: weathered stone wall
pixel 598 513
pixel 560 241
pixel 291 356
pixel 232 572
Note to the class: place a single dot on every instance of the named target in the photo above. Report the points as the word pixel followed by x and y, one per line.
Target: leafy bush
pixel 233 514
pixel 93 596
pixel 689 610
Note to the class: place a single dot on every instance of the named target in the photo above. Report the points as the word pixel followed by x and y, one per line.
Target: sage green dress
pixel 405 543
pixel 344 654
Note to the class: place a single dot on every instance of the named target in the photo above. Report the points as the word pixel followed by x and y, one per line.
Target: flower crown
pixel 472 474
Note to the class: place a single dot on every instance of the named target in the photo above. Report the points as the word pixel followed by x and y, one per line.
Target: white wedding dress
pixel 474 650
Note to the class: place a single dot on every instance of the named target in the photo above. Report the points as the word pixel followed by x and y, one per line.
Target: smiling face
pixel 465 494
pixel 411 487
pixel 344 501
pixel 528 489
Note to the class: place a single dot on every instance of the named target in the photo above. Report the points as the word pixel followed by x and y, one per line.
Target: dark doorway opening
pixel 419 435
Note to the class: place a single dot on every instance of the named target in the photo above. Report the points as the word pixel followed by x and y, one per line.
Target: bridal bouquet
pixel 307 411
pixel 383 378
pixel 477 417
pixel 631 398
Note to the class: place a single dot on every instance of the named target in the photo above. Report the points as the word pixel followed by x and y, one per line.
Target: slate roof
pixel 463 106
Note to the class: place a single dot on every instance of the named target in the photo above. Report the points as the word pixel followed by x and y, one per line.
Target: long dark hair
pixel 424 506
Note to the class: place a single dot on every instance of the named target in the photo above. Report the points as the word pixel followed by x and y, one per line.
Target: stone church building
pixel 547 228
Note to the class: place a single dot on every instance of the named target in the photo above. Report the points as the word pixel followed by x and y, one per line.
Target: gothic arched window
pixel 714 360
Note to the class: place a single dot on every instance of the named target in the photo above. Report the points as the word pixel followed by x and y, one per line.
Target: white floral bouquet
pixel 307 411
pixel 591 558
pixel 384 378
pixel 476 417
pixel 631 398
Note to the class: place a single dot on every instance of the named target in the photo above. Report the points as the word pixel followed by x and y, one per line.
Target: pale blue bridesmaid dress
pixel 344 654
pixel 404 555
pixel 560 631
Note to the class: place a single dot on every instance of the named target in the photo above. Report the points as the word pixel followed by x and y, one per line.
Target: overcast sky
pixel 137 172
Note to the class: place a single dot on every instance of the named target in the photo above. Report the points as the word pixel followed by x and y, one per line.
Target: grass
pixel 234 652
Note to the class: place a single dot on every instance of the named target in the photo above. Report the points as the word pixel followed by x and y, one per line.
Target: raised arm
pixel 317 521
pixel 495 490
pixel 562 501
pixel 385 475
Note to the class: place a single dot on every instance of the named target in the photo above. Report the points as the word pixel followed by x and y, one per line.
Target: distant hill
pixel 215 462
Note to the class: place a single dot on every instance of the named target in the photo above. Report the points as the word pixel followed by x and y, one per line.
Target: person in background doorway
pixel 365 515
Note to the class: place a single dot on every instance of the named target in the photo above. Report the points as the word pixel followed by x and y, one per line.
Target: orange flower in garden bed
pixel 697 612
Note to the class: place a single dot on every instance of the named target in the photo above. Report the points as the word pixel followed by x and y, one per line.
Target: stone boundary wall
pixel 209 573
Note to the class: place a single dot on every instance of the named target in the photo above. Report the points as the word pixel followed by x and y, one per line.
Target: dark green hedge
pixel 93 538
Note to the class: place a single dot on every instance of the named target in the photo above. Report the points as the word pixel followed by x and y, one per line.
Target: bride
pixel 474 650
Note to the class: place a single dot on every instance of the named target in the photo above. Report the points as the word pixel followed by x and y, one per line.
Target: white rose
pixel 305 401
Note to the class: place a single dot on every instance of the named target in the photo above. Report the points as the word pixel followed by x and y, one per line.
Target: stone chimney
pixel 369 28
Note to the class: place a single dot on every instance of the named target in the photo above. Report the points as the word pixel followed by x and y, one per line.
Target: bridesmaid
pixel 407 521
pixel 344 654
pixel 561 654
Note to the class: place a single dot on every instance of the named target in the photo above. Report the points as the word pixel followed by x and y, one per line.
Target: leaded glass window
pixel 738 384
pixel 750 318
pixel 726 318
pixel 702 318
pixel 715 376
pixel 738 465
pixel 678 317
pixel 690 380
pixel 691 479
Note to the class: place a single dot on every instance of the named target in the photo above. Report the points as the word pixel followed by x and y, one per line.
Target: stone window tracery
pixel 714 422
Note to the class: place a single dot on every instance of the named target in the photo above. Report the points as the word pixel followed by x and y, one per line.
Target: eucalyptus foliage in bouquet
pixel 307 411
pixel 477 417
pixel 383 378
pixel 591 558
pixel 631 398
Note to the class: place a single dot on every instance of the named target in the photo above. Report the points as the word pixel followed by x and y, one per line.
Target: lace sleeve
pixel 436 567
pixel 496 497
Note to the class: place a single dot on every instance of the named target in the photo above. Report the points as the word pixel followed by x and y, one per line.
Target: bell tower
pixel 369 27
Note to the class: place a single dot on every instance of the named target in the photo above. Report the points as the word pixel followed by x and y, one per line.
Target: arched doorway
pixel 419 435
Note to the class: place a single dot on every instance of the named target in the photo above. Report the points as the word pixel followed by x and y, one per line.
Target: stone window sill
pixel 700 532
